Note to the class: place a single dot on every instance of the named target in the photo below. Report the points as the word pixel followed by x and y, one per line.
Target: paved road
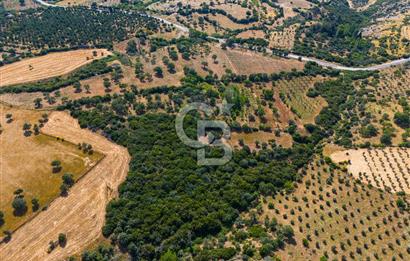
pixel 323 63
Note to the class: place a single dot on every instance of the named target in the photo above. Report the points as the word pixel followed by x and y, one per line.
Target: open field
pixel 15 4
pixel 247 62
pixel 47 66
pixel 289 5
pixel 250 139
pixel 387 169
pixel 35 176
pixel 81 214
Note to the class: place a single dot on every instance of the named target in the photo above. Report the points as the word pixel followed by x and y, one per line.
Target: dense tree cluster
pixel 72 27
pixel 337 36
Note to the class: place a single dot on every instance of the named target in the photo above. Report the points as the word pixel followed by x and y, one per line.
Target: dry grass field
pixel 47 66
pixel 15 4
pixel 33 172
pixel 251 34
pixel 81 214
pixel 250 139
pixel 387 169
pixel 247 62
pixel 289 5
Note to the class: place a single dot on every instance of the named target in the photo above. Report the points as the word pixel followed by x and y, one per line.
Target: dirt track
pixel 81 214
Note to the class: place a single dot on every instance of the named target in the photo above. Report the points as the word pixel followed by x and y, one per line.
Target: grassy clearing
pixel 26 164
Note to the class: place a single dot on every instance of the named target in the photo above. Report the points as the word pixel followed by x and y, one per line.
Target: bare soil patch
pixel 387 169
pixel 81 214
pixel 47 66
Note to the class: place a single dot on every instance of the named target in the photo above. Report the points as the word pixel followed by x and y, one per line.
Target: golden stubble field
pixel 48 66
pixel 81 214
pixel 26 164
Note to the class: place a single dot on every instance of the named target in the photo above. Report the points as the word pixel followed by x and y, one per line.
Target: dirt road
pixel 81 214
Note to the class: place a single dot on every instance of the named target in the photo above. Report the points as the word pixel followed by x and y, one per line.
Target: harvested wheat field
pixel 81 214
pixel 47 66
pixel 35 176
pixel 387 168
pixel 248 62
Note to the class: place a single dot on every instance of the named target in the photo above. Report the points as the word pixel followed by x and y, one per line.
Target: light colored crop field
pixel 81 214
pixel 26 164
pixel 387 169
pixel 293 94
pixel 247 62
pixel 47 66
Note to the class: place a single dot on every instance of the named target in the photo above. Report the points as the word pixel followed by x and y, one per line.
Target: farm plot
pixel 387 169
pixel 48 66
pixel 393 82
pixel 333 215
pixel 293 94
pixel 283 39
pixel 26 163
pixel 248 62
pixel 81 214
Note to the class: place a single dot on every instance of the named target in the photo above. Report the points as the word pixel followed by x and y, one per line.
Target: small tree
pixel 62 239
pixel 64 190
pixel 37 103
pixel 68 179
pixel 20 206
pixel 35 205
pixel 87 88
pixel 131 47
pixel 1 218
pixel 56 166
pixel 158 72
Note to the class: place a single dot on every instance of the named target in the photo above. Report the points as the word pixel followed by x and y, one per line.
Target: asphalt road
pixel 323 63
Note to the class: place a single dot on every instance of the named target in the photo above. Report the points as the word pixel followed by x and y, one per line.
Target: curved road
pixel 323 63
